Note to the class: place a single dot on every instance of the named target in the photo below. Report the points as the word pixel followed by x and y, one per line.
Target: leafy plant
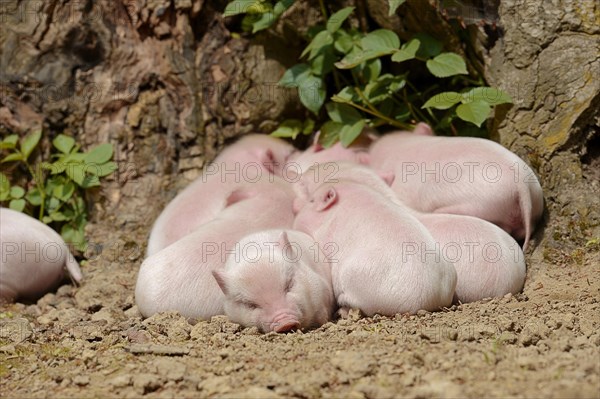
pixel 352 69
pixel 56 190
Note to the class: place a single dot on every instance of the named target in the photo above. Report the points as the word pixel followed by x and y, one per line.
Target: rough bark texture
pixel 168 85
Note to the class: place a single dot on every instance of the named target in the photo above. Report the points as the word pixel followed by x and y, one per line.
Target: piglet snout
pixel 285 323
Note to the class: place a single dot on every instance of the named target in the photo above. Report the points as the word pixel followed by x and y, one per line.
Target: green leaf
pixel 99 154
pixel 330 133
pixel 443 100
pixel 243 7
pixel 343 42
pixel 29 142
pixel 346 95
pixel 308 126
pixel 381 40
pixel 63 143
pixel 55 167
pixel 322 39
pixel 293 76
pixel 76 172
pixel 34 197
pixel 312 93
pixel 16 192
pixel 447 64
pixel 64 191
pixel 394 4
pixel 322 64
pixel 57 216
pixel 13 157
pixel 288 128
pixel 12 139
pixel 4 187
pixel 488 95
pixel 337 19
pixel 102 170
pixel 350 132
pixel 375 44
pixel 17 205
pixel 475 112
pixel 382 89
pixel 408 51
pixel 52 204
pixel 343 113
pixel 257 22
pixel 371 69
pixel 430 47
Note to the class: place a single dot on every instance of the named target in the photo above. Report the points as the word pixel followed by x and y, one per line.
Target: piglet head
pixel 261 290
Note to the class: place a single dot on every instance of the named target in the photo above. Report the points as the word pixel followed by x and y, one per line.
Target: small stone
pixel 146 382
pixel 120 381
pixel 81 380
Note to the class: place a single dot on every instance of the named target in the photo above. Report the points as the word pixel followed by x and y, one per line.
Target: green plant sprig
pixel 354 61
pixel 58 187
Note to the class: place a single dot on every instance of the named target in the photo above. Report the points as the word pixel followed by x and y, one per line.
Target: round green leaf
pixel 447 64
pixel 336 20
pixel 475 112
pixel 488 95
pixel 408 51
pixel 330 133
pixel 17 192
pixel 29 142
pixel 293 76
pixel 430 47
pixel 17 205
pixel 99 154
pixel 33 197
pixel 380 40
pixel 312 93
pixel 443 100
pixel 63 143
pixel 343 113
pixel 350 132
pixel 288 128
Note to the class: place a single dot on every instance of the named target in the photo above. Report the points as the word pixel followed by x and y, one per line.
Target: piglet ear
pixel 388 176
pixel 239 194
pixel 221 278
pixel 326 199
pixel 283 239
pixel 363 158
pixel 267 159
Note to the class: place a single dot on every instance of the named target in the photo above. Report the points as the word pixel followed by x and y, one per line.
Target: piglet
pixel 252 158
pixel 179 277
pixel 33 257
pixel 461 175
pixel 385 260
pixel 488 261
pixel 277 280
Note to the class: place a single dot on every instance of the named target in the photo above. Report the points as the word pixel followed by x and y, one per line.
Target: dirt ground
pixel 90 341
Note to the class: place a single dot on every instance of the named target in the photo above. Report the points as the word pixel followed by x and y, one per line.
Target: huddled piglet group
pixel 279 239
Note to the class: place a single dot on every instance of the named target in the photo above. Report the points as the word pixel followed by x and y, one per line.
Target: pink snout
pixel 284 323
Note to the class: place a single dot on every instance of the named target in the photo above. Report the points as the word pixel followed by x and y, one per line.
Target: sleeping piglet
pixel 277 280
pixel 461 175
pixel 488 261
pixel 253 158
pixel 179 277
pixel 33 257
pixel 385 260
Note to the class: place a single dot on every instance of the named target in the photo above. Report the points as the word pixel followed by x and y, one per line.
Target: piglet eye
pixel 249 305
pixel 289 285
